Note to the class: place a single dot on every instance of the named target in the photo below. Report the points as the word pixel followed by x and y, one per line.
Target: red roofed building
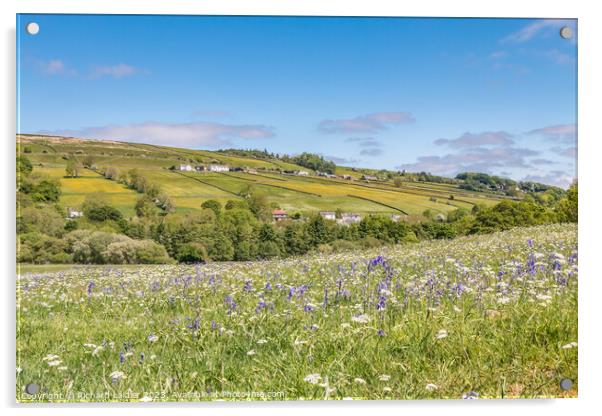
pixel 279 215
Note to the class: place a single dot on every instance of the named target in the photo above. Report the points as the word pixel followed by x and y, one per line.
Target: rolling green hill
pixel 188 190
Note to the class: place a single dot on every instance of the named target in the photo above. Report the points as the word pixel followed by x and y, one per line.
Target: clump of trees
pixel 97 247
pixel 315 162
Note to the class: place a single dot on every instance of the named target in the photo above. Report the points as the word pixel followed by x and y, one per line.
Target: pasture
pixel 188 190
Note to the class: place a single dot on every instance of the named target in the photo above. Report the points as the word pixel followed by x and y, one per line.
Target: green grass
pixel 189 190
pixel 463 315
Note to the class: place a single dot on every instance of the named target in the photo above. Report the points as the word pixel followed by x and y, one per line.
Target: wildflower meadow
pixel 486 316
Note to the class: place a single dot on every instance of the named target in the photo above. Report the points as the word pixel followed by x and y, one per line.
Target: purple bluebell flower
pixel 260 306
pixel 194 324
pixel 90 287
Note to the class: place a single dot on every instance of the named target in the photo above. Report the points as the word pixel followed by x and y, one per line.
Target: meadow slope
pixel 189 190
pixel 480 316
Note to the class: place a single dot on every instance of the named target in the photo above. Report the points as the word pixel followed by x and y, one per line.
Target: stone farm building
pixel 74 213
pixel 349 218
pixel 219 168
pixel 328 215
pixel 279 215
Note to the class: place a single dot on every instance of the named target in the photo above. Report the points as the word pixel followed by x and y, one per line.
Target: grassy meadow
pixel 489 316
pixel 188 190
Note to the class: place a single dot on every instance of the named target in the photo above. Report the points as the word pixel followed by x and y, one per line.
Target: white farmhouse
pixel 348 218
pixel 186 168
pixel 73 213
pixel 219 168
pixel 302 173
pixel 328 215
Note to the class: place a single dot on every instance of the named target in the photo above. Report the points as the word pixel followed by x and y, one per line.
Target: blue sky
pixel 436 95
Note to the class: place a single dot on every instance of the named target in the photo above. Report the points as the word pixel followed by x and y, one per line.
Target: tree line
pixel 239 230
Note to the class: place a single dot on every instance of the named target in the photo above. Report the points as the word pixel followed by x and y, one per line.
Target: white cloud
pixel 535 29
pixel 487 138
pixel 54 67
pixel 555 177
pixel 563 133
pixel 340 160
pixel 367 123
pixel 172 134
pixel 472 160
pixel 570 152
pixel 364 141
pixel 372 151
pixel 115 71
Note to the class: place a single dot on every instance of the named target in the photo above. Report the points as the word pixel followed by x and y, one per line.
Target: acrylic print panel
pixel 287 208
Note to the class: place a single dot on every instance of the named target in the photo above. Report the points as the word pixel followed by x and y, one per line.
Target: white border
pixel 590 72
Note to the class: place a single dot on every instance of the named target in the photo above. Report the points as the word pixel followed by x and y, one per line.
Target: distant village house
pixel 219 168
pixel 348 219
pixel 279 215
pixel 328 215
pixel 73 213
pixel 186 168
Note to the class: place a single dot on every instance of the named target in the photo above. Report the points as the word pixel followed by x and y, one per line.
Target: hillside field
pixel 188 190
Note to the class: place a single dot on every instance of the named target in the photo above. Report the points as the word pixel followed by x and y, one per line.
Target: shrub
pixel 370 242
pixel 96 208
pixel 343 245
pixel 192 253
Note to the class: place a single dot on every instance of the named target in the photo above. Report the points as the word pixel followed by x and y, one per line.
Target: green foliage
pixel 46 190
pixel 213 205
pixel 24 165
pixel 72 168
pixel 89 161
pixel 146 208
pixel 192 253
pixel 38 248
pixel 97 247
pixel 508 214
pixel 96 208
pixel 41 219
pixel 568 207
pixel 315 162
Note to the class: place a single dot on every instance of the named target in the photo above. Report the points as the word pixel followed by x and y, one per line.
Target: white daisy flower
pixel 313 378
pixel 361 319
pixel 441 334
pixel 117 375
